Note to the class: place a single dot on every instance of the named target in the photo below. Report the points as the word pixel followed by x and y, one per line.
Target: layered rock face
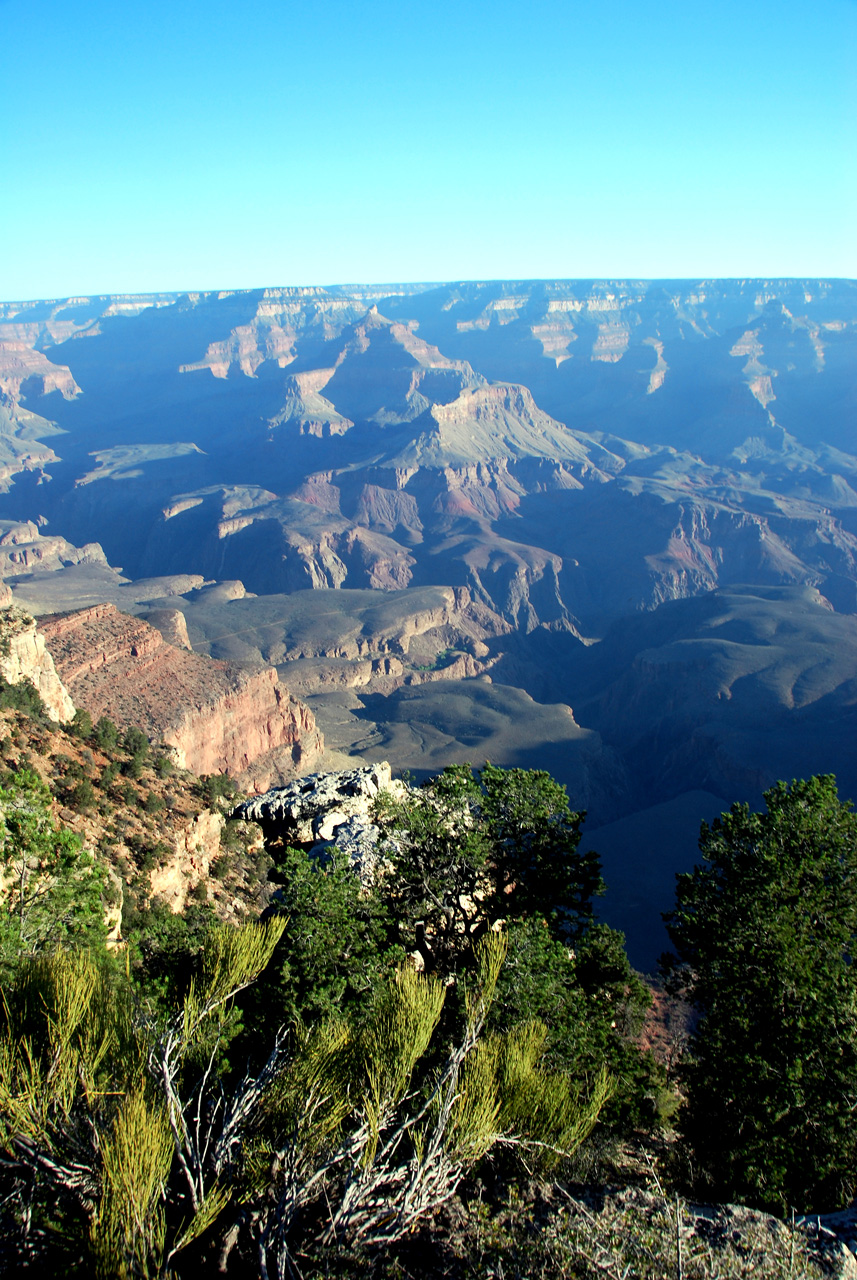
pixel 24 656
pixel 219 718
pixel 571 451
pixel 457 508
pixel 330 641
pixel 195 846
pixel 25 549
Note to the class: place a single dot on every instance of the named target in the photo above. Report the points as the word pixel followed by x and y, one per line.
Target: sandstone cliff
pixel 24 656
pixel 219 718
pixel 195 845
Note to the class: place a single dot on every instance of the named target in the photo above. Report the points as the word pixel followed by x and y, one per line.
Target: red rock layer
pixel 219 718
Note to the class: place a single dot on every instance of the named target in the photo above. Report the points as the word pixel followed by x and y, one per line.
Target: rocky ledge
pixel 325 809
pixel 218 717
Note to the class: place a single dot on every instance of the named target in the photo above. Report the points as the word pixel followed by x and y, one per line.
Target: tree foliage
pixel 336 949
pixel 24 696
pixel 470 848
pixel 227 1098
pixel 765 929
pixel 593 1005
pixel 52 887
pixel 105 734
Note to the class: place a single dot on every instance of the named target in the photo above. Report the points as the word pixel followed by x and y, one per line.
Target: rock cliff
pixel 25 549
pixel 153 834
pixel 24 656
pixel 218 717
pixel 195 845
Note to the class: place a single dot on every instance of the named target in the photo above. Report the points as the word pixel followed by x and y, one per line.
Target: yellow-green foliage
pixel 233 959
pixel 67 1038
pixel 504 1094
pixel 76 1056
pixel 490 954
pixel 392 1045
pixel 371 1125
pixel 128 1231
pixel 359 1124
pixel 309 1101
pixel 540 1106
pixel 336 1074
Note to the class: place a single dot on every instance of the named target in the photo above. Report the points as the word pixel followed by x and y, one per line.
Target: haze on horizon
pixel 214 146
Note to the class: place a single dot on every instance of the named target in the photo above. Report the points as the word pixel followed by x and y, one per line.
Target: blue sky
pixel 184 146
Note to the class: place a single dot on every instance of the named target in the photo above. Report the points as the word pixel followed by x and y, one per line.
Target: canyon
pixel 606 528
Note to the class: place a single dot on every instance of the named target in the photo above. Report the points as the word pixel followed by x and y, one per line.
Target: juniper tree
pixel 766 934
pixel 470 848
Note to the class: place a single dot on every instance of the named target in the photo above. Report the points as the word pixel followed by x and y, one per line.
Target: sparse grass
pixel 636 1234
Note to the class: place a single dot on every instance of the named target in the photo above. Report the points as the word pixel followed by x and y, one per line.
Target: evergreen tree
pixel 52 887
pixel 765 929
pixel 471 848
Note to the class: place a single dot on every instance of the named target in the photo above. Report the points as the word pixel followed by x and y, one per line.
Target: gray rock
pixel 324 810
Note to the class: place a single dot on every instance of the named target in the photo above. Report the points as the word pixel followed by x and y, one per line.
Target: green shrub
pixel 24 697
pixel 81 725
pixel 133 767
pixel 153 803
pixel 336 950
pixel 109 774
pixel 343 1133
pixel 472 847
pixel 231 835
pixel 105 734
pixel 216 787
pixel 81 796
pixel 137 746
pixel 163 766
pixel 223 864
pixel 135 742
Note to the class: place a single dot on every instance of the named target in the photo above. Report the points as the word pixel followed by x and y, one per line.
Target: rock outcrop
pixel 195 846
pixel 218 717
pixel 172 626
pixel 24 656
pixel 326 809
pixel 24 549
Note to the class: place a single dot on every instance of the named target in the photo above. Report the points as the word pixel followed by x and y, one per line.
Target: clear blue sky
pixel 189 145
